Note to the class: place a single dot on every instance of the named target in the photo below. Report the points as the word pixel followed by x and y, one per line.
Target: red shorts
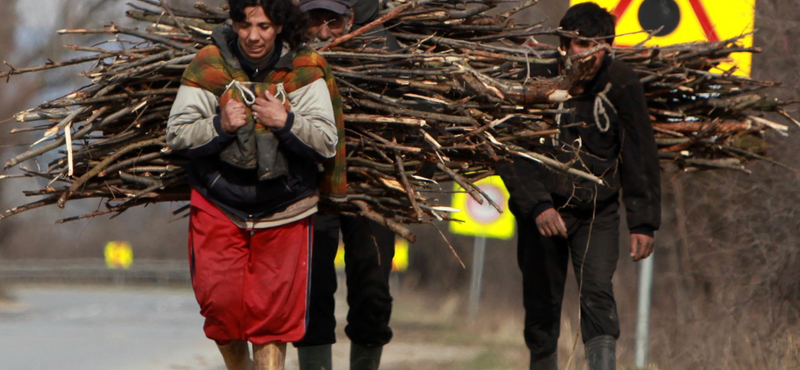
pixel 250 284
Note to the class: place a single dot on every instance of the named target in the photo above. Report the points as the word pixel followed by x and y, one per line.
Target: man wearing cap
pixel 368 246
pixel 330 19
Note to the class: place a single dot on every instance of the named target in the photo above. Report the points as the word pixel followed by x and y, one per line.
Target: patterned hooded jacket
pixel 260 177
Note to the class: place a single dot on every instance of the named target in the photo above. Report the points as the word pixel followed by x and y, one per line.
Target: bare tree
pixel 32 236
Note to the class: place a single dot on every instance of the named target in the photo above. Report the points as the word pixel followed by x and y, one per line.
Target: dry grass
pixel 727 287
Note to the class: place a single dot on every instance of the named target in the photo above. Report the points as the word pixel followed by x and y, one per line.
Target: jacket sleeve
pixel 524 178
pixel 194 128
pixel 310 129
pixel 639 166
pixel 529 196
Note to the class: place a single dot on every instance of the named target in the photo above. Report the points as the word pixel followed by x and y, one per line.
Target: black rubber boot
pixel 365 358
pixel 315 357
pixel 601 353
pixel 545 363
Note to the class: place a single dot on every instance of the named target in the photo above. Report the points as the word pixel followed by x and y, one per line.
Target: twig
pixel 369 26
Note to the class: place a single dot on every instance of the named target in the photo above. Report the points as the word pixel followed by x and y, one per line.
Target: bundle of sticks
pixel 456 99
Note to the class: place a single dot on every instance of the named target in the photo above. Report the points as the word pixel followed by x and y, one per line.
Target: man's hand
pixel 551 224
pixel 234 116
pixel 270 111
pixel 641 246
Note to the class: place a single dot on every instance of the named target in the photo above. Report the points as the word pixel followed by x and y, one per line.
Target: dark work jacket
pixel 625 156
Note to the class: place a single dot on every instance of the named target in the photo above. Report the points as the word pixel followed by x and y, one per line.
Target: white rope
pixel 557 136
pixel 247 96
pixel 280 91
pixel 600 109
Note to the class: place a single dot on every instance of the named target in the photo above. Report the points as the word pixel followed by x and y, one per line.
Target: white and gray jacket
pixel 309 136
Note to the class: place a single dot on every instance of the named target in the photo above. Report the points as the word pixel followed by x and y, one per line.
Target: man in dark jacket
pixel 607 133
pixel 368 246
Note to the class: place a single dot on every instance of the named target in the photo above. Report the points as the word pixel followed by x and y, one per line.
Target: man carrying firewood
pixel 607 132
pixel 332 19
pixel 257 113
pixel 368 246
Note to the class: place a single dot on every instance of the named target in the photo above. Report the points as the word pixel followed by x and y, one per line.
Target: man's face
pixel 256 33
pixel 578 46
pixel 324 25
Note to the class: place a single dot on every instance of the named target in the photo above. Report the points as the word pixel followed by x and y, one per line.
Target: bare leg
pixel 270 356
pixel 236 355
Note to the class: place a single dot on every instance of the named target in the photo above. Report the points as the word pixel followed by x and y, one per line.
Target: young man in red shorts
pixel 257 112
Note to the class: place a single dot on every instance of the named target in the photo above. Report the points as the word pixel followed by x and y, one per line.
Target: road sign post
pixel 643 316
pixel 478 253
pixel 482 221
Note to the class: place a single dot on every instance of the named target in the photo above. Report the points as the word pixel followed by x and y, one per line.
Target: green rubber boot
pixel 365 358
pixel 315 357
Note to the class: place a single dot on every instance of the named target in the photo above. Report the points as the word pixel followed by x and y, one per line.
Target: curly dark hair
pixel 282 12
pixel 590 20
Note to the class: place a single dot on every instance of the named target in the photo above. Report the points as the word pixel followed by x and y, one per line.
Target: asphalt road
pixel 103 327
pixel 124 327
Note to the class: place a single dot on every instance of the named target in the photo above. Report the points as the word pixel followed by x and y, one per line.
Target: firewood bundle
pixel 704 119
pixel 457 98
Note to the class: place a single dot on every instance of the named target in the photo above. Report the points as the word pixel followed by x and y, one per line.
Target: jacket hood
pixel 224 38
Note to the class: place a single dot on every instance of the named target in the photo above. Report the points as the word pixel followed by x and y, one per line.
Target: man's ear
pixel 351 20
pixel 279 30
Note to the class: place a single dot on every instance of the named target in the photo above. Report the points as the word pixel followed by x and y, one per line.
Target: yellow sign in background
pixel 483 220
pixel 699 20
pixel 399 261
pixel 119 255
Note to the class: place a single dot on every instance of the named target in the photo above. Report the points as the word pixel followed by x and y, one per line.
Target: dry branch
pixel 455 100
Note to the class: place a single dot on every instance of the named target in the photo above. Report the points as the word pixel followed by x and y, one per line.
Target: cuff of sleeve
pixel 287 126
pixel 646 230
pixel 222 134
pixel 541 207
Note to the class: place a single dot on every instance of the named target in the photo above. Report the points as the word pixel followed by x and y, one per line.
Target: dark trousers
pixel 543 262
pixel 368 253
